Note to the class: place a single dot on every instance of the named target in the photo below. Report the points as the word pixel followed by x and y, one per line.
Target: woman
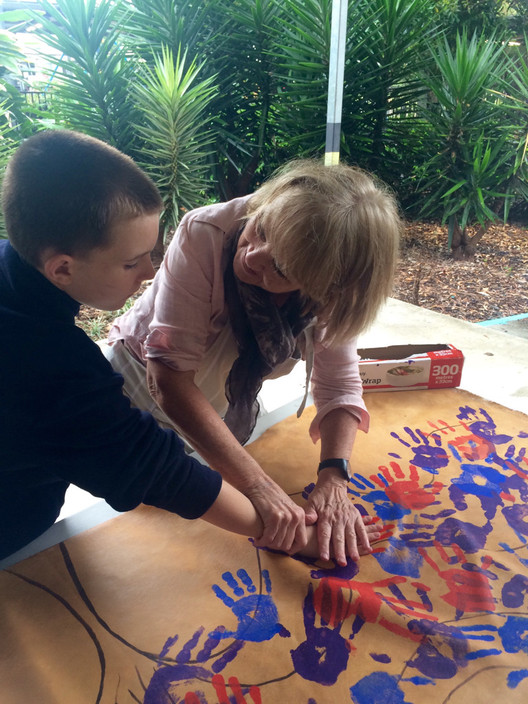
pixel 246 288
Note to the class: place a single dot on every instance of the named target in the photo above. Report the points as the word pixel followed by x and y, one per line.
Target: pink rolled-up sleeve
pixel 189 309
pixel 183 311
pixel 336 383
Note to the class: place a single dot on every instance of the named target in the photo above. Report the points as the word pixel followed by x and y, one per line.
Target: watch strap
pixel 339 463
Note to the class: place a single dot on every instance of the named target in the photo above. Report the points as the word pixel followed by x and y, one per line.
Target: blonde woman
pixel 246 289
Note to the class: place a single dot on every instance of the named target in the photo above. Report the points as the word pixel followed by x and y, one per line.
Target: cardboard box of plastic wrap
pixel 402 367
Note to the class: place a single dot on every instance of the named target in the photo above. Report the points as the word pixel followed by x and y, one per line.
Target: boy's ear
pixel 58 268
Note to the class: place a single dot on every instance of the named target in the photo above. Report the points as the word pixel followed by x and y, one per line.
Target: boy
pixel 82 219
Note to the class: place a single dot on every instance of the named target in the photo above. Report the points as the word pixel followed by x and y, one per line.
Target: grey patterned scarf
pixel 266 335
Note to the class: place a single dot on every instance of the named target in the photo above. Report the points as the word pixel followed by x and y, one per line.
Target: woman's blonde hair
pixel 334 230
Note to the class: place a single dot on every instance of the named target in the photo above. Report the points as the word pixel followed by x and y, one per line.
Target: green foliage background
pixel 210 96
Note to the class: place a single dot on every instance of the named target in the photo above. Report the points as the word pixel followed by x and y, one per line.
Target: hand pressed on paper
pixel 284 521
pixel 341 529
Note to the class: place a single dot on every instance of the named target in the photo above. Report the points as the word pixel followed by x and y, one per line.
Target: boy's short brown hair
pixel 64 190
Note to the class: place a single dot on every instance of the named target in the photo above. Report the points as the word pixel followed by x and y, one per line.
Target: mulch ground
pixel 494 284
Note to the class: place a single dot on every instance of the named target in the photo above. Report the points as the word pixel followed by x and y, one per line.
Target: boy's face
pixel 105 277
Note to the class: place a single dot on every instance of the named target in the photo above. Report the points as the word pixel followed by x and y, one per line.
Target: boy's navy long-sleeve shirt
pixel 64 419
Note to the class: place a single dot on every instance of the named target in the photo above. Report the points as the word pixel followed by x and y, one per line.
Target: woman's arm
pixel 336 383
pixel 337 387
pixel 234 512
pixel 179 397
pixel 340 526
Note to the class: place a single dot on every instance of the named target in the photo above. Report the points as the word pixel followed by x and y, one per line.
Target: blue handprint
pixel 514 634
pixel 160 689
pixel 386 509
pixel 258 619
pixel 400 556
pixel 517 483
pixel 514 466
pixel 517 518
pixel 468 536
pixel 418 533
pixel 514 455
pixel 442 651
pixel 482 425
pixel 515 591
pixel 428 456
pixel 400 559
pixel 378 688
pixel 323 656
pixel 445 649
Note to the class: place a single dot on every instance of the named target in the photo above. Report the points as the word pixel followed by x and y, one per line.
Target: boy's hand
pixel 372 527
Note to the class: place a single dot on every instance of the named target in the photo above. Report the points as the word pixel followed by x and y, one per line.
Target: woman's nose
pixel 257 257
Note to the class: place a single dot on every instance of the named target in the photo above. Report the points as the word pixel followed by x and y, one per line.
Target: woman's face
pixel 254 263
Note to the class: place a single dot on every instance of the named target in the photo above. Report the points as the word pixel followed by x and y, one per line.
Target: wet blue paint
pixel 399 559
pixel 257 615
pixel 514 634
pixel 380 657
pixel 324 655
pixel 515 591
pixel 378 688
pixel 514 678
pixel 441 653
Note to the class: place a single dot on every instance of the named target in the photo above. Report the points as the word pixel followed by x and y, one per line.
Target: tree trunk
pixel 464 247
pixel 461 247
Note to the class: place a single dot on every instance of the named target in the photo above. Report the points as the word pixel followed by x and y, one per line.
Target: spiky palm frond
pixel 91 68
pixel 176 141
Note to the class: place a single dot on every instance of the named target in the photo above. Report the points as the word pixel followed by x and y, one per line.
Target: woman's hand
pixel 284 521
pixel 341 529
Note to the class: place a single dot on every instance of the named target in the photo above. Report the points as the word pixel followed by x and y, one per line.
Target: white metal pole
pixel 335 80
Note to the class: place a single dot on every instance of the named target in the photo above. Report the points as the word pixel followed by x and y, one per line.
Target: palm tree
pixel 175 139
pixel 467 168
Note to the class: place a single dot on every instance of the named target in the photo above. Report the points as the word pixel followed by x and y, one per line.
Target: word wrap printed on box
pixel 401 367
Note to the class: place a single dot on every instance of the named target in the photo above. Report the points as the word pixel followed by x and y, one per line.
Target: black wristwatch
pixel 339 463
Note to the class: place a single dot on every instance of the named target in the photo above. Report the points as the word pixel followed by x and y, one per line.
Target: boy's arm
pixel 185 404
pixel 234 512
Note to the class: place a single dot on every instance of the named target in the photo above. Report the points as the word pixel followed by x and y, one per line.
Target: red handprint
pixel 337 599
pixel 218 682
pixel 403 491
pixel 472 447
pixel 469 588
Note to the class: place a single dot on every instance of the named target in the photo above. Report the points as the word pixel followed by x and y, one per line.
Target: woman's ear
pixel 58 268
